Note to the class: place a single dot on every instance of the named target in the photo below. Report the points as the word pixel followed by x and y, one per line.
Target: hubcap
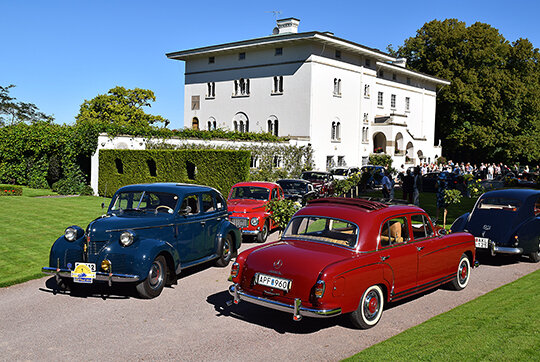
pixel 156 275
pixel 463 271
pixel 371 305
pixel 226 248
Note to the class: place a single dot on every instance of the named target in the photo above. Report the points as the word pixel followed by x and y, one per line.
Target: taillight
pixel 319 289
pixel 234 270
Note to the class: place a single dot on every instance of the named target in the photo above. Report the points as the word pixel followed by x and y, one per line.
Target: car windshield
pixel 498 203
pixel 142 201
pixel 323 229
pixel 313 176
pixel 293 187
pixel 250 192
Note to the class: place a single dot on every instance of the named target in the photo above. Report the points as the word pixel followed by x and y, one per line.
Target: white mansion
pixel 343 98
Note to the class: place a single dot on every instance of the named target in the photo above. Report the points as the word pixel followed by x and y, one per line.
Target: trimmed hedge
pixel 220 169
pixel 10 190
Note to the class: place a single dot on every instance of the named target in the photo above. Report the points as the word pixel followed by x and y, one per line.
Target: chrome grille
pixel 240 222
pixel 94 247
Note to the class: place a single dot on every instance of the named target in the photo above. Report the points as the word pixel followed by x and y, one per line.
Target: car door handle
pixel 383 258
pixel 203 223
pixel 419 248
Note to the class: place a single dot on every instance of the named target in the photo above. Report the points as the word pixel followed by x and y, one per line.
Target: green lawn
pixel 499 326
pixel 30 225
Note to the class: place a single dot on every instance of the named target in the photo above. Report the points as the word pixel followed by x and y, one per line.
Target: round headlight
pixel 254 221
pixel 70 234
pixel 127 237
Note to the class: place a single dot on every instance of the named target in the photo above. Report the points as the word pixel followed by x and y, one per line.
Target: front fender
pixel 460 223
pixel 226 227
pixel 63 251
pixel 528 235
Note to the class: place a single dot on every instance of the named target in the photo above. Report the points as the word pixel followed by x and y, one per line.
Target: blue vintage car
pixel 505 222
pixel 151 232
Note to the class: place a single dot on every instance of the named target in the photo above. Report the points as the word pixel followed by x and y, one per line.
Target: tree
pixel 119 107
pixel 491 110
pixel 13 112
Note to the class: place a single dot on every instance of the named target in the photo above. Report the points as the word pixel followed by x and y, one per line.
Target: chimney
pixel 400 62
pixel 286 26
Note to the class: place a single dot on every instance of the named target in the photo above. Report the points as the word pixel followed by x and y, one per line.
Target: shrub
pixel 281 211
pixel 380 159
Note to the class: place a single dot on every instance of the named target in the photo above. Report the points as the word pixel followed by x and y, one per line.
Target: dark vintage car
pixel 298 190
pixel 375 173
pixel 247 206
pixel 351 256
pixel 321 180
pixel 150 233
pixel 505 222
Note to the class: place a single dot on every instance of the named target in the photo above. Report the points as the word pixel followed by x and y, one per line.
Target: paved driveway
pixel 191 321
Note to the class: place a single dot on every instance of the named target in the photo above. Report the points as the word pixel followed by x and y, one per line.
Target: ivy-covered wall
pixel 220 169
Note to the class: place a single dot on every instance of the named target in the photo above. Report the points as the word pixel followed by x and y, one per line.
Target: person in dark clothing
pixel 417 185
pixel 408 186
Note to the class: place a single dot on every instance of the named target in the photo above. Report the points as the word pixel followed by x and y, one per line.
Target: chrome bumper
pixel 250 232
pixel 297 309
pixel 505 250
pixel 100 276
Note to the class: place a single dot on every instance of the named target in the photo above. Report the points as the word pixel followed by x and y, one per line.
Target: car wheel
pixel 370 310
pixel 226 251
pixel 261 237
pixel 462 275
pixel 152 286
pixel 535 257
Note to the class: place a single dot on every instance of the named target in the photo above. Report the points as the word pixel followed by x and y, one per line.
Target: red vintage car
pixel 350 256
pixel 247 203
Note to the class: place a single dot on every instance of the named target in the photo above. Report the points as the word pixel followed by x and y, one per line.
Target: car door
pixel 434 255
pixel 399 254
pixel 210 220
pixel 190 229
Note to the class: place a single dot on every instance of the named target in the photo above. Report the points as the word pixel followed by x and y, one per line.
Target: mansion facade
pixel 344 99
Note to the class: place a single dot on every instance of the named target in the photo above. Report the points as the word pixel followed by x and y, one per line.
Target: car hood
pixel 299 261
pixel 246 205
pixel 497 225
pixel 102 227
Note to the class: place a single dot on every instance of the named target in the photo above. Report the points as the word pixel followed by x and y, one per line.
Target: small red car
pixel 351 256
pixel 247 203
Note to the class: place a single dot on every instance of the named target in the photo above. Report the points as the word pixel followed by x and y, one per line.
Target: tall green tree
pixel 120 107
pixel 491 110
pixel 13 112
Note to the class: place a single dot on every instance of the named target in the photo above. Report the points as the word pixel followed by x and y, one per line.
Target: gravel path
pixel 192 322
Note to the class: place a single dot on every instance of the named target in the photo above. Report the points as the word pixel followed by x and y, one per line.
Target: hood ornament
pixel 278 263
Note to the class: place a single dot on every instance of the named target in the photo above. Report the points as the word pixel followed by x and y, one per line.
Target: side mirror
pixel 442 232
pixel 185 211
pixel 102 205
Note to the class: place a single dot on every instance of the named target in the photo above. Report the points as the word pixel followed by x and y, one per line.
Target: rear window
pixel 323 229
pixel 498 203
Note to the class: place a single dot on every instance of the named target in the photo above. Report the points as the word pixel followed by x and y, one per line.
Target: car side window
pixel 220 202
pixel 208 203
pixel 394 231
pixel 274 194
pixel 421 227
pixel 537 207
pixel 193 202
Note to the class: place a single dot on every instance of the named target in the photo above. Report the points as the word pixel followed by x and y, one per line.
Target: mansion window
pixel 407 104
pixel 381 74
pixel 341 161
pixel 330 162
pixel 211 60
pixel 211 90
pixel 393 101
pixel 366 117
pixel 368 62
pixel 276 161
pixel 394 76
pixel 254 162
pixel 336 131
pixel 241 56
pixel 241 126
pixel 273 126
pixel 278 51
pixel 408 81
pixel 278 85
pixel 241 87
pixel 366 90
pixel 337 87
pixel 212 124
pixel 338 54
pixel 364 134
pixel 380 99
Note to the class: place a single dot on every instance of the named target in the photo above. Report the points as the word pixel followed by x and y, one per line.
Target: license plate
pixel 84 273
pixel 273 282
pixel 481 242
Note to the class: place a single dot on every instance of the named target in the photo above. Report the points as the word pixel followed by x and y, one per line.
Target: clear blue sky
pixel 59 53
